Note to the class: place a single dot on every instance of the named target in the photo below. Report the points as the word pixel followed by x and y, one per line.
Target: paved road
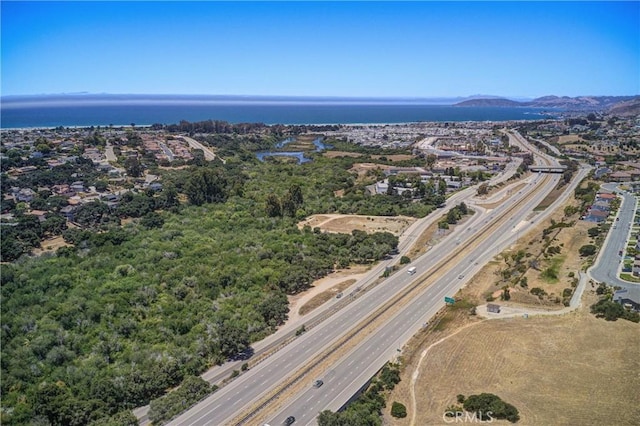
pixel 344 378
pixel 208 154
pixel 109 154
pixel 609 262
pixel 224 404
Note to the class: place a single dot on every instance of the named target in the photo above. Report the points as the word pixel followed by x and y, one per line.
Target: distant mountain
pixel 626 108
pixel 579 103
pixel 490 102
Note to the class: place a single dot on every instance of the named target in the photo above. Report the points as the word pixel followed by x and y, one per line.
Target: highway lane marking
pixel 385 334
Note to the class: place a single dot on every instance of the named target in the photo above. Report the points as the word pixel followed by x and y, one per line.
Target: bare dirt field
pixel 572 369
pixel 347 223
pixel 330 285
pixel 395 157
pixel 336 154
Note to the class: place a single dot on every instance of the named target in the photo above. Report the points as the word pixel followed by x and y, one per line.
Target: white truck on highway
pixel 411 270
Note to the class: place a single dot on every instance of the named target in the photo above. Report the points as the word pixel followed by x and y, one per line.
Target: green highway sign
pixel 450 300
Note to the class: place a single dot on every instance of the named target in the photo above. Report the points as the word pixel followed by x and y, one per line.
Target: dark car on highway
pixel 289 420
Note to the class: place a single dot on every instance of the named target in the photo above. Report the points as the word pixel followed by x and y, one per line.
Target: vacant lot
pixel 50 245
pixel 564 139
pixel 347 223
pixel 573 369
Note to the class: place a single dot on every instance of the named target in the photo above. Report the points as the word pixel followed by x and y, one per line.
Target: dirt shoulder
pixel 332 283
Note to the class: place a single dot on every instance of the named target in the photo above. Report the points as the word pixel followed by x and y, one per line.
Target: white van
pixel 411 270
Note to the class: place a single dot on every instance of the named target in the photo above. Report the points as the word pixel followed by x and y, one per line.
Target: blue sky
pixel 386 49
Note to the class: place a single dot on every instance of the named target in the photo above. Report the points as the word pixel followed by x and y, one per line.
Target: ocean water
pixel 20 115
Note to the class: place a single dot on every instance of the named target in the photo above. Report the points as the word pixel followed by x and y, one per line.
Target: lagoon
pixel 320 146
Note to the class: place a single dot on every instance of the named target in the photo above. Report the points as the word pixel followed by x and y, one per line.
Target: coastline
pixel 312 115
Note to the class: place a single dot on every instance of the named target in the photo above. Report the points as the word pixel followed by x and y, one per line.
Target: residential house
pixel 69 212
pixel 605 196
pixel 601 205
pixel 25 194
pixel 596 216
pixel 620 177
pixel 628 297
pixel 636 266
pixel 39 214
pixel 77 186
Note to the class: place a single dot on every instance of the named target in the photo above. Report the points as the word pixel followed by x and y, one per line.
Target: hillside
pixel 626 108
pixel 580 103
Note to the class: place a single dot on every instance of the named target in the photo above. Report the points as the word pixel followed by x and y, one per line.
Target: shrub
pixel 488 406
pixel 587 250
pixel 537 291
pixel 404 260
pixel 398 410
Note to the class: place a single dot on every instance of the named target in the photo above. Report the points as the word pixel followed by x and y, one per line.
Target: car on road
pixel 318 383
pixel 460 276
pixel 339 295
pixel 289 421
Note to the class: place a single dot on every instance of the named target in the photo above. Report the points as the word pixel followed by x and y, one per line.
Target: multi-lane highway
pixel 337 349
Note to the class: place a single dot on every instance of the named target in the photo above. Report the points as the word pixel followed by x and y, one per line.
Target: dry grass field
pixel 573 369
pixel 565 139
pixel 347 223
pixel 50 245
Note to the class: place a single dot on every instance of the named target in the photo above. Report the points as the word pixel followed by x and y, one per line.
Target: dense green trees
pixel 127 312
pixel 193 389
pixel 611 311
pixel 206 185
pixel 366 410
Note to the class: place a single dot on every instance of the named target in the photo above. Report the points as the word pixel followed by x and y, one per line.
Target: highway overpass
pixel 548 169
